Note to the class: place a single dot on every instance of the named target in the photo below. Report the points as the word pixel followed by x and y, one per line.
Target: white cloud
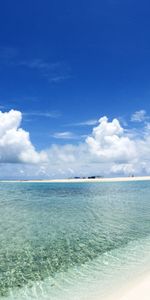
pixel 64 135
pixel 57 79
pixel 139 116
pixel 53 71
pixel 15 144
pixel 51 114
pixel 90 122
pixel 109 142
pixel 109 150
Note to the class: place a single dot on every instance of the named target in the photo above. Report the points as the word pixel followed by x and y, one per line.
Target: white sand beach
pixel 75 180
pixel 139 291
pixel 115 179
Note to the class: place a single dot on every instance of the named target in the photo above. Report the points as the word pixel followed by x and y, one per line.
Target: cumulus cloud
pixel 15 144
pixel 109 142
pixel 108 150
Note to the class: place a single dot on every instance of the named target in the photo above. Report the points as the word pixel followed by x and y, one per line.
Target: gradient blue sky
pixel 74 61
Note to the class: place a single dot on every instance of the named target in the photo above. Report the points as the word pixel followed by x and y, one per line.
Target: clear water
pixel 72 241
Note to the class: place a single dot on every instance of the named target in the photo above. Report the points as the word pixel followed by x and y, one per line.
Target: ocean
pixel 72 241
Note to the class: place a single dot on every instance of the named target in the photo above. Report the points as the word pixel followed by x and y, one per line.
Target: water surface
pixel 64 240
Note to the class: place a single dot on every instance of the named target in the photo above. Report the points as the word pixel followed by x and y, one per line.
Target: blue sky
pixel 63 63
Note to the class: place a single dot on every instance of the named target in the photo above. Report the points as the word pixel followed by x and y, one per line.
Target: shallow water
pixel 69 241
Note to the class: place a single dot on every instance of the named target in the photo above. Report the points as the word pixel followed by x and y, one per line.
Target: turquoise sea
pixel 72 241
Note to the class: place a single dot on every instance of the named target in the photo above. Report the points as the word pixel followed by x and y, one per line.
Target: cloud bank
pixel 109 150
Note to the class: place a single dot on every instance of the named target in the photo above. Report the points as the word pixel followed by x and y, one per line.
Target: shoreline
pixel 80 180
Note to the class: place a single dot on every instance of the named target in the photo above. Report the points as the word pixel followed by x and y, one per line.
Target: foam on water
pixel 72 241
